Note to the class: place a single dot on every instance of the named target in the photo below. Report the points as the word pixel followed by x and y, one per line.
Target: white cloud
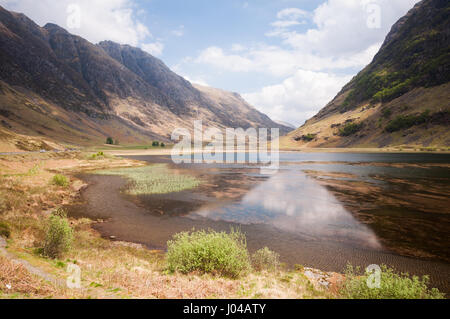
pixel 179 32
pixel 338 40
pixel 279 62
pixel 114 20
pixel 237 47
pixel 155 48
pixel 299 97
pixel 215 56
pixel 285 23
pixel 291 13
pixel 198 81
pixel 341 26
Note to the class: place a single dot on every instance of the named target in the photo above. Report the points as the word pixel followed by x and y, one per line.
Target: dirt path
pixel 32 269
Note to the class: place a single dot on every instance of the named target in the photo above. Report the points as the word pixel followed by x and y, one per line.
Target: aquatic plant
pixel 154 179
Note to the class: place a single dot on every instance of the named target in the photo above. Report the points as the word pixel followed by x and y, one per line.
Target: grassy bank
pixel 219 265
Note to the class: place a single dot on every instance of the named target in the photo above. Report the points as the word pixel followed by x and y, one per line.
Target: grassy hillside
pixel 401 98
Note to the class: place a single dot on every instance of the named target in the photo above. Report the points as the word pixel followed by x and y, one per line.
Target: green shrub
pixel 390 93
pixel 155 144
pixel 60 180
pixel 5 231
pixel 308 137
pixel 392 286
pixel 99 155
pixel 109 141
pixel 163 145
pixel 58 235
pixel 350 129
pixel 265 259
pixel 212 252
pixel 386 112
pixel 403 122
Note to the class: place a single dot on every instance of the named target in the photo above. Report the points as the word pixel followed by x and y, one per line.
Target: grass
pixel 96 156
pixel 5 230
pixel 16 281
pixel 211 252
pixel 60 180
pixel 393 285
pixel 154 179
pixel 265 259
pixel 112 269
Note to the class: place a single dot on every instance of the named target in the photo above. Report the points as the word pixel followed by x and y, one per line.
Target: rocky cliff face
pixel 401 98
pixel 78 91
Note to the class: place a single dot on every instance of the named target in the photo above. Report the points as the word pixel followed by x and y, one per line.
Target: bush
pixel 308 137
pixel 5 231
pixel 265 259
pixel 60 180
pixel 350 129
pixel 212 252
pixel 403 122
pixel 109 141
pixel 163 145
pixel 99 155
pixel 155 144
pixel 386 112
pixel 392 286
pixel 59 235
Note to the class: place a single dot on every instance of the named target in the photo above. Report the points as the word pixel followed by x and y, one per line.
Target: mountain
pixel 60 86
pixel 402 98
pixel 292 126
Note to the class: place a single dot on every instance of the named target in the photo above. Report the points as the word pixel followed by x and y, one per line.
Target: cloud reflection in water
pixel 293 202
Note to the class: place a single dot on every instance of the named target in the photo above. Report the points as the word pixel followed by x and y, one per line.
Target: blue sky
pixel 288 58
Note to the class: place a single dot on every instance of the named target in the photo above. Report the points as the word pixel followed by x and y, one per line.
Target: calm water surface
pixel 321 209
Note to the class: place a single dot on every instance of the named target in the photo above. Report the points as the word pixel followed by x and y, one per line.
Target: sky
pixel 288 58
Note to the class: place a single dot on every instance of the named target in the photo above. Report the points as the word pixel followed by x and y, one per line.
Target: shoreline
pixel 138 152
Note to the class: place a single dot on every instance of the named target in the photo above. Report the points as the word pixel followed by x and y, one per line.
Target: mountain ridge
pixel 59 85
pixel 398 98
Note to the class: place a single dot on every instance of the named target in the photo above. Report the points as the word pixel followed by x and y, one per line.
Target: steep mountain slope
pixel 401 98
pixel 61 86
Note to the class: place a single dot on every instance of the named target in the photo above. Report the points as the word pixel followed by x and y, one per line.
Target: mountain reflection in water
pixel 294 202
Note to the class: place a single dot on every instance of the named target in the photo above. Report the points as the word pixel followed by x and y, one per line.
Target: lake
pixel 320 210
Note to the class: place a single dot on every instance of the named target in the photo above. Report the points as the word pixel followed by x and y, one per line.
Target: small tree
pixel 109 141
pixel 155 144
pixel 163 145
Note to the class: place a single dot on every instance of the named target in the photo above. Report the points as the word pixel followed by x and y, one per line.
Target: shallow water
pixel 320 210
